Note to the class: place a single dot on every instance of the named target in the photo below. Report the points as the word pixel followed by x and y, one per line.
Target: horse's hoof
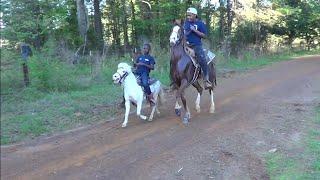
pixel 124 125
pixel 212 109
pixel 150 119
pixel 185 121
pixel 143 117
pixel 198 109
pixel 178 112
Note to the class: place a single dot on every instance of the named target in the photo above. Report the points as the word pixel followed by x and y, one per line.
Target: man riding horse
pixel 195 30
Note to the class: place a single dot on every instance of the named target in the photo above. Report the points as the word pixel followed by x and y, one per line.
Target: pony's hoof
pixel 150 119
pixel 178 112
pixel 198 109
pixel 124 125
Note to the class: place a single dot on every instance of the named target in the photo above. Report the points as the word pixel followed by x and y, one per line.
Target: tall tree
pixel 125 25
pixel 83 22
pixel 98 25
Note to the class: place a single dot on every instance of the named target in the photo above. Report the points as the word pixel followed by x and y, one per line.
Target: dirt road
pixel 255 112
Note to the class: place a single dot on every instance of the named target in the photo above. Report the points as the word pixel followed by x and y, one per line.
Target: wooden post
pixel 25 74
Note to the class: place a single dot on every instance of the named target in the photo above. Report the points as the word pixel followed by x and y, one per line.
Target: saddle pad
pixel 150 80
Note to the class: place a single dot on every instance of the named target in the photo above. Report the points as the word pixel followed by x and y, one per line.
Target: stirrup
pixel 207 84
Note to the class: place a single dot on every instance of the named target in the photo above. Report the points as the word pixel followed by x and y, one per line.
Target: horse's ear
pixel 178 22
pixel 182 22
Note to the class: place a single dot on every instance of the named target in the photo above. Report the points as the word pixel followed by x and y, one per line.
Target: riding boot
pixel 151 99
pixel 206 81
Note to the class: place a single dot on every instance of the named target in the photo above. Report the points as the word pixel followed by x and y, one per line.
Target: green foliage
pixel 300 20
pixel 53 75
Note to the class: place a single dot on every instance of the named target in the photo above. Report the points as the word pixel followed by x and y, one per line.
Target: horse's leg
pixel 212 108
pixel 187 115
pixel 199 89
pixel 139 106
pixel 213 77
pixel 177 108
pixel 127 104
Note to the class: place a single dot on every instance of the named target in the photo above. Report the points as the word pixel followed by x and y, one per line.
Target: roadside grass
pixel 251 62
pixel 299 166
pixel 63 96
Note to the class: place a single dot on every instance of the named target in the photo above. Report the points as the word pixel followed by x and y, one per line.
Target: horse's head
pixel 176 35
pixel 123 70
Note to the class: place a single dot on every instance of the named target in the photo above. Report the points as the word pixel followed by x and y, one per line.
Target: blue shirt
pixel 146 59
pixel 192 37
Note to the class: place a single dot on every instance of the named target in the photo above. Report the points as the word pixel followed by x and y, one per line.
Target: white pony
pixel 133 92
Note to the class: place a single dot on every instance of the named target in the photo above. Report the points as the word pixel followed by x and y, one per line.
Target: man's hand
pixel 192 28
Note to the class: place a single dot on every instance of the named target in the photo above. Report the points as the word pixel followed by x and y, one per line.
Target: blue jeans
pixel 201 59
pixel 144 82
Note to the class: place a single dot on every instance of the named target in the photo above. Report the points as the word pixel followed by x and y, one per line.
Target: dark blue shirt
pixel 192 37
pixel 146 59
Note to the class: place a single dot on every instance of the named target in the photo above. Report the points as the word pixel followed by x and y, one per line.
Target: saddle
pixel 209 55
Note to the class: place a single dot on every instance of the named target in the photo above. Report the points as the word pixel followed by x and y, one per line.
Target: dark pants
pixel 144 82
pixel 201 59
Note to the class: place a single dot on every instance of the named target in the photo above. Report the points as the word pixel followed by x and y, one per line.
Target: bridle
pixel 123 77
pixel 179 36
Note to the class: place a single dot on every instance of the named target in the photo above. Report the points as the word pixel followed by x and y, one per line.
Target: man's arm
pixel 146 65
pixel 199 33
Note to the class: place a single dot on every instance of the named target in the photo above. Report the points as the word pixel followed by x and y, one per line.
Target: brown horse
pixel 183 73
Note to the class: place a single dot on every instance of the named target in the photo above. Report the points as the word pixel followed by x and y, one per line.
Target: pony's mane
pixel 125 66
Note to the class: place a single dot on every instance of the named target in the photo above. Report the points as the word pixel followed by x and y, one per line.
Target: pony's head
pixel 123 70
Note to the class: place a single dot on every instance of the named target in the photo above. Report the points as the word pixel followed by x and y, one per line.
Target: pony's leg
pixel 156 99
pixel 212 108
pixel 139 106
pixel 127 104
pixel 199 89
pixel 157 110
pixel 152 112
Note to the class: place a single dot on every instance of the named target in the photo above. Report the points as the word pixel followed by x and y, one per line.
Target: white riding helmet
pixel 192 10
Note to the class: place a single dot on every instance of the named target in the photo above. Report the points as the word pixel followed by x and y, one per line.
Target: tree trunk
pixel 134 35
pixel 82 18
pixel 221 21
pixel 98 25
pixel 229 26
pixel 125 26
pixel 25 74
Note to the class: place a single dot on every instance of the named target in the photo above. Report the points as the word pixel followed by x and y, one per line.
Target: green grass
pixel 64 96
pixel 250 62
pixel 299 166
